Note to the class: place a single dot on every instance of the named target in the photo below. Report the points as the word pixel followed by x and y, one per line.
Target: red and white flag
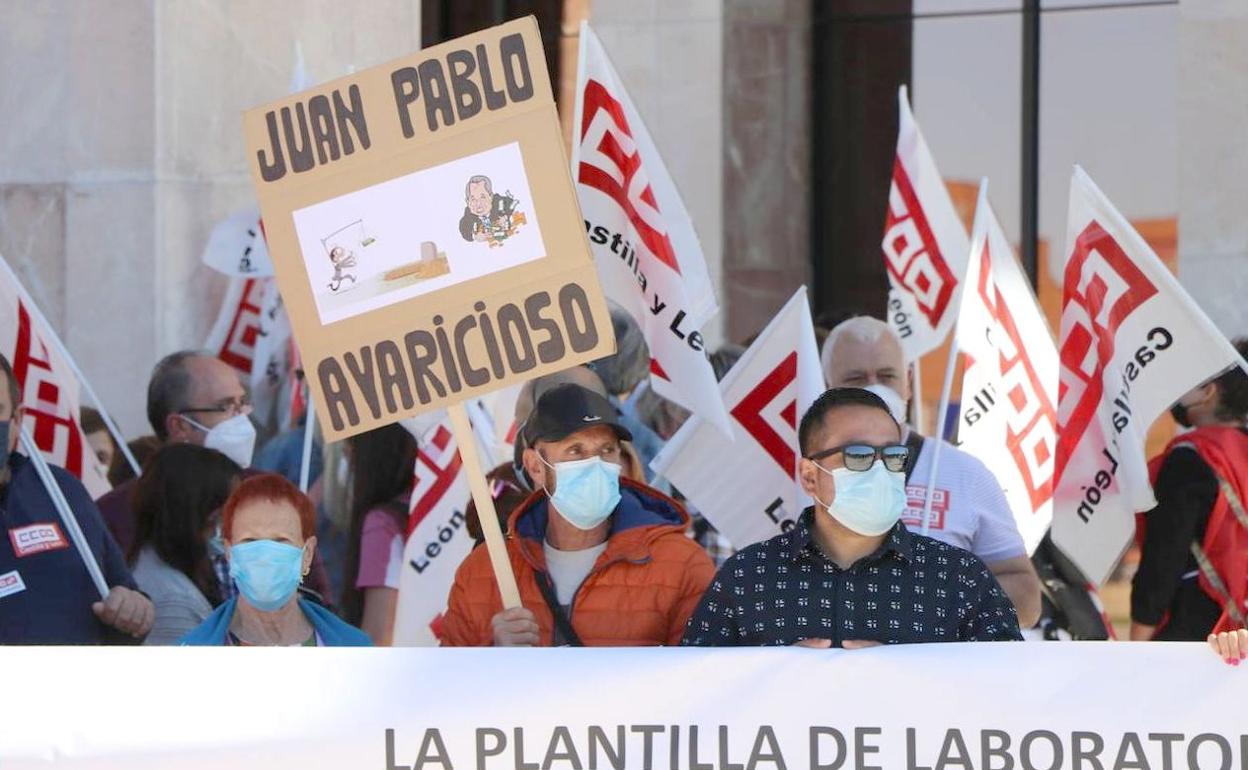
pixel 252 332
pixel 647 254
pixel 49 387
pixel 1009 392
pixel 925 245
pixel 748 489
pixel 1132 342
pixel 437 539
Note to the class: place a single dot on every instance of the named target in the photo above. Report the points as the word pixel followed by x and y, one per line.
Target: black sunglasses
pixel 860 457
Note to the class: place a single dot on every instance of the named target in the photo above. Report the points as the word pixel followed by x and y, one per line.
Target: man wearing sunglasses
pixel 850 574
pixel 969 508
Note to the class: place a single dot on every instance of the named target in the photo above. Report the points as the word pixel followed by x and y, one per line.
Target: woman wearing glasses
pixel 849 574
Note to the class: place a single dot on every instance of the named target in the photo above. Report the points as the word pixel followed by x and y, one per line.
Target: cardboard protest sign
pixel 424 230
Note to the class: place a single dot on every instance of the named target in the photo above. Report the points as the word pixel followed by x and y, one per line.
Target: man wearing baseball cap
pixel 600 560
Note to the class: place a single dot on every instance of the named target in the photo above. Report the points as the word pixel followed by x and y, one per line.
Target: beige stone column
pixel 1213 159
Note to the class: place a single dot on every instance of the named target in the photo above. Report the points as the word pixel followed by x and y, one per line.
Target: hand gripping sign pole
pixel 7 272
pixel 942 411
pixel 67 515
pixel 486 514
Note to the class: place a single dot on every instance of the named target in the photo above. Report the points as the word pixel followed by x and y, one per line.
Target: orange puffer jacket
pixel 641 591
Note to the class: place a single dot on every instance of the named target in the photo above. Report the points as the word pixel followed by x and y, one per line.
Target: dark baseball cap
pixel 565 409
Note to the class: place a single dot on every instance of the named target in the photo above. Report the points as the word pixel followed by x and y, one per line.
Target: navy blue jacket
pixel 46 593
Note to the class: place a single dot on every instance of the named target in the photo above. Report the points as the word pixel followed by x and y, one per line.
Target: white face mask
pixel 235 438
pixel 896 404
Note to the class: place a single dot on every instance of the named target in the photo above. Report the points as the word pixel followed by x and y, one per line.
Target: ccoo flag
pixel 647 254
pixel 48 385
pixel 1132 342
pixel 925 244
pixel 1009 401
pixel 748 489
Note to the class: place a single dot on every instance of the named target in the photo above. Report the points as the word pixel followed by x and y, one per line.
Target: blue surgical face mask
pixel 868 502
pixel 266 572
pixel 586 491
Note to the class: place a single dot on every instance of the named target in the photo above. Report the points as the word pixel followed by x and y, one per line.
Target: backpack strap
pixel 546 586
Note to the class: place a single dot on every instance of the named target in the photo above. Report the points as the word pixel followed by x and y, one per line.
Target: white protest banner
pixel 1132 342
pixel 748 489
pixel 980 706
pixel 925 245
pixel 49 386
pixel 437 540
pixel 641 237
pixel 1009 391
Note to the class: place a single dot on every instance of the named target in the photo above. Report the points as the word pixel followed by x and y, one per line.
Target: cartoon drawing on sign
pixel 340 247
pixel 488 216
pixel 419 232
pixel 342 259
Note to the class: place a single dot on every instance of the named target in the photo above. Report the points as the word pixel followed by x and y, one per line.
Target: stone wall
pixel 670 57
pixel 1213 159
pixel 122 146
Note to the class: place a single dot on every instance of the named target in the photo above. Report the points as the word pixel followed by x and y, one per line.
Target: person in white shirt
pixel 969 508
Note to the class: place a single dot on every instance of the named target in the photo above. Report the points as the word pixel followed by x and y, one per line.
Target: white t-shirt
pixel 568 569
pixel 969 508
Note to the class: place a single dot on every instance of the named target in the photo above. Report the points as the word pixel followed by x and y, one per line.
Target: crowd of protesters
pixel 214 544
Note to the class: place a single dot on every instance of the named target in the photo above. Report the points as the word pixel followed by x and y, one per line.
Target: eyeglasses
pixel 860 457
pixel 233 407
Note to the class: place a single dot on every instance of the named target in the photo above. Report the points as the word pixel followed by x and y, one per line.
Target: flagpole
pixel 942 415
pixel 309 431
pixel 461 426
pixel 916 394
pixel 67 515
pixel 82 380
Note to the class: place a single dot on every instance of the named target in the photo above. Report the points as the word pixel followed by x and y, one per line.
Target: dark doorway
pixel 861 52
pixel 442 20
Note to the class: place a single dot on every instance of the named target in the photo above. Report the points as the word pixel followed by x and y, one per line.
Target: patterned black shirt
pixel 911 589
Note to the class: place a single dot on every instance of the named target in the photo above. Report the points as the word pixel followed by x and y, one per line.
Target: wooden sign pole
pixel 466 441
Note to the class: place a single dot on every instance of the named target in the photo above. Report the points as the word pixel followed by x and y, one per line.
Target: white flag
pixel 748 489
pixel 1009 392
pixel 236 246
pixel 48 386
pixel 437 539
pixel 644 246
pixel 925 244
pixel 1132 343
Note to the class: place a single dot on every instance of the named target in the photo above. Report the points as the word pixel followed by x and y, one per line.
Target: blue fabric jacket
pixel 333 631
pixel 46 595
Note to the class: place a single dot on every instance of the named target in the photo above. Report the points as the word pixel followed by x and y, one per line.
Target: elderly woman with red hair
pixel 267 526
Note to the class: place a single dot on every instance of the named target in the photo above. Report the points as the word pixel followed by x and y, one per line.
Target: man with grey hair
pixel 969 508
